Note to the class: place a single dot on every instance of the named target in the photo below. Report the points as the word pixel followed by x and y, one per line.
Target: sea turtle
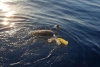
pixel 48 35
pixel 45 32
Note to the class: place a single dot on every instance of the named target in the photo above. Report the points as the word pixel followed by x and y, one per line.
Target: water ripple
pixel 79 25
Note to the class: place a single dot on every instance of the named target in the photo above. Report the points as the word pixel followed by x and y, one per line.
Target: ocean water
pixel 79 22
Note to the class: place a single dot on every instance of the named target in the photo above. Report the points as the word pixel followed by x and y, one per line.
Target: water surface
pixel 79 24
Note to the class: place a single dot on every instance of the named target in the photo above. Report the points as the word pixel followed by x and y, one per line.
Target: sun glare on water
pixel 5 23
pixel 4 7
pixel 8 24
pixel 9 14
pixel 6 0
pixel 12 24
pixel 5 19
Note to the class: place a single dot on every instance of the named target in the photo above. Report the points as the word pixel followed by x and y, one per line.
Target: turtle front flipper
pixel 54 39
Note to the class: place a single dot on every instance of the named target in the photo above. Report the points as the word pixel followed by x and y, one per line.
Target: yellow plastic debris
pixel 63 41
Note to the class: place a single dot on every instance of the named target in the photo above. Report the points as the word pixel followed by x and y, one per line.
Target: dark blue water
pixel 79 22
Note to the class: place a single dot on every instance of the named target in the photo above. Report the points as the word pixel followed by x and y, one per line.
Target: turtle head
pixel 56 27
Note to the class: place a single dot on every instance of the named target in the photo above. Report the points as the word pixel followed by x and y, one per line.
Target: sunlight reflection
pixel 5 23
pixel 8 24
pixel 5 19
pixel 6 0
pixel 9 13
pixel 4 7
pixel 12 25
